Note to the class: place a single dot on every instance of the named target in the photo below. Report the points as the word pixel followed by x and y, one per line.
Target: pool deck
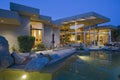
pixel 61 53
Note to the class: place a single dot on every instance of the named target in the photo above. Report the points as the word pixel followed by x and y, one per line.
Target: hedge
pixel 26 43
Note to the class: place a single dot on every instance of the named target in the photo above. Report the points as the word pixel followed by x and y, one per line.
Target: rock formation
pixel 36 64
pixel 5 58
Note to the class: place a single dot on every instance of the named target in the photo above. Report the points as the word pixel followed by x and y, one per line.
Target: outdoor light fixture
pixel 2 21
pixel 91 17
pixel 85 58
pixel 34 15
pixel 72 21
pixel 76 26
pixel 24 76
pixel 82 19
pixel 65 22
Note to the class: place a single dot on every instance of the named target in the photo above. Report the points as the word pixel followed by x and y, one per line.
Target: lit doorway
pixel 37 33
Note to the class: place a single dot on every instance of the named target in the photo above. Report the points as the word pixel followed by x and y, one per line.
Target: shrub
pixel 14 48
pixel 40 46
pixel 26 43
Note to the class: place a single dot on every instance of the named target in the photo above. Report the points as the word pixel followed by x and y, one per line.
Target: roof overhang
pixel 9 17
pixel 88 19
pixel 9 21
pixel 33 13
pixel 106 27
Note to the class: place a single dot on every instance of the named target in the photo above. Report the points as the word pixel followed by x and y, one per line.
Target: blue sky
pixel 65 8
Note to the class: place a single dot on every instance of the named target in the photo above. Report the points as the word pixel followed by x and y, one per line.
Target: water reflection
pixel 101 57
pixel 95 65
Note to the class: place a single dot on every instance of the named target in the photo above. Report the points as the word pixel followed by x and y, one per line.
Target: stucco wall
pixel 11 32
pixel 47 36
pixel 48 31
pixel 56 32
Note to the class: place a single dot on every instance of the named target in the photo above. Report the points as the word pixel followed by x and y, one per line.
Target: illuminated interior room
pixel 86 29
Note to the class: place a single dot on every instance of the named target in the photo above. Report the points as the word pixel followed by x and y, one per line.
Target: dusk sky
pixel 64 8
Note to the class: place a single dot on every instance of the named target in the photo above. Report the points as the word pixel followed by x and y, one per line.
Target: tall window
pixel 37 34
pixel 36 31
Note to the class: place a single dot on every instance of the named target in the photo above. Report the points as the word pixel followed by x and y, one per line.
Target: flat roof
pixel 9 17
pixel 98 19
pixel 107 27
pixel 22 8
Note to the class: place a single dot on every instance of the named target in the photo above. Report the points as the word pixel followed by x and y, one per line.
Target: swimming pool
pixel 95 65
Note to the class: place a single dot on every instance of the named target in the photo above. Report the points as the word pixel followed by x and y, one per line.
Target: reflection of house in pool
pixel 101 57
pixel 23 20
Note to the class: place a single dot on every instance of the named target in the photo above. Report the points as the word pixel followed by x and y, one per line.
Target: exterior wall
pixel 11 32
pixel 56 32
pixel 47 36
pixel 9 14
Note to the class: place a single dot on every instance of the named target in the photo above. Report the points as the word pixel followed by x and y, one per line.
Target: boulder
pixel 36 64
pixel 55 56
pixel 18 59
pixel 5 58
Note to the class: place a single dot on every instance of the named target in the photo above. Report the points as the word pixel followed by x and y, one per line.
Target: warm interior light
pixel 39 32
pixel 24 76
pixel 34 33
pixel 72 38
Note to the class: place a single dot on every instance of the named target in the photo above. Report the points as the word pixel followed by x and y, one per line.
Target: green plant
pixel 13 49
pixel 65 38
pixel 116 34
pixel 40 46
pixel 26 43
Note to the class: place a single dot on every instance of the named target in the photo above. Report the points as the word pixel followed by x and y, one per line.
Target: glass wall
pixel 92 37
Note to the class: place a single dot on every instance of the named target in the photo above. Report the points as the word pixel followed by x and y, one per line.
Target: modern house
pixel 23 20
pixel 84 28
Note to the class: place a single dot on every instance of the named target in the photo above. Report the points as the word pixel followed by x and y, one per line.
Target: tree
pixel 116 34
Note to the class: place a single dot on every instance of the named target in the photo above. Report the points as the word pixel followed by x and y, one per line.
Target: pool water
pixel 95 65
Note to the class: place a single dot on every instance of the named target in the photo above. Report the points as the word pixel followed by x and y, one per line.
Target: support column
pixel 98 38
pixel 94 36
pixel 90 35
pixel 75 32
pixel 43 30
pixel 84 37
pixel 110 36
